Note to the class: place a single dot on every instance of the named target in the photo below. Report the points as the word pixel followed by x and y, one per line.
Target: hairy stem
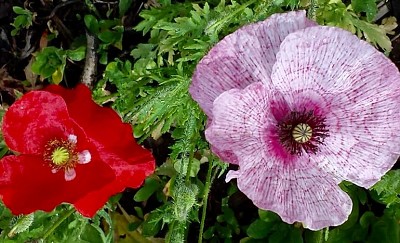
pixel 189 167
pixel 58 222
pixel 207 187
pixel 312 9
pixel 222 22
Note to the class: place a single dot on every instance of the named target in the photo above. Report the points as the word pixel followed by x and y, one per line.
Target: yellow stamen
pixel 302 133
pixel 60 156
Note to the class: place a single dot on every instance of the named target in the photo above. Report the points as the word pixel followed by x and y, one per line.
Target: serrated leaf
pixel 152 225
pixel 22 224
pixel 369 7
pixel 388 188
pixel 374 34
pixel 91 234
pixel 389 25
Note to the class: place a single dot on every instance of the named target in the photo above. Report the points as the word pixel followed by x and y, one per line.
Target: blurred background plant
pixel 146 53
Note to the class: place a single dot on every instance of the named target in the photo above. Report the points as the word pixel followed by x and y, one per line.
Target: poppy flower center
pixel 62 154
pixel 302 132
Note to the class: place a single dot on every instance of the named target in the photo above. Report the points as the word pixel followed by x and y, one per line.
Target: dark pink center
pixel 302 132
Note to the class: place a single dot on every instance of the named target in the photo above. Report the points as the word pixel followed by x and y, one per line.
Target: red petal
pixel 27 184
pixel 103 125
pixel 132 176
pixel 33 120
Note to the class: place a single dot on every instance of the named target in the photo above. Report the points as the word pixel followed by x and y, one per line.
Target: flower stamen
pixel 61 154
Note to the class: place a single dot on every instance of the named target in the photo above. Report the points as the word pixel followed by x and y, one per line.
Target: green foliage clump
pixel 23 20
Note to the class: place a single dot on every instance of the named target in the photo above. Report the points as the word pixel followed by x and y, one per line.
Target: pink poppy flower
pixel 302 107
pixel 69 149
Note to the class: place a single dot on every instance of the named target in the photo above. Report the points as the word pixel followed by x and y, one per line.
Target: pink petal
pixel 227 156
pixel 232 174
pixel 357 88
pixel 296 191
pixel 84 157
pixel 363 143
pixel 323 58
pixel 240 117
pixel 69 174
pixel 243 57
pixel 293 187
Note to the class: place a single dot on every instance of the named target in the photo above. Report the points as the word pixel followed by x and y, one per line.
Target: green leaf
pixel 21 11
pixel 268 216
pixel 295 236
pixel 388 188
pixel 367 218
pixel 374 34
pixel 152 224
pixel 20 21
pixel 77 54
pixel 50 62
pixel 259 229
pixel 280 235
pixel 90 234
pixel 109 37
pixel 150 186
pixel 91 23
pixel 365 6
pixel 123 6
pixel 385 230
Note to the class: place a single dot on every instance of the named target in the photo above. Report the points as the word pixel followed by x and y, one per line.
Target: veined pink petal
pixel 298 192
pixel 364 139
pixel 358 88
pixel 292 186
pixel 227 156
pixel 323 58
pixel 330 111
pixel 243 57
pixel 239 119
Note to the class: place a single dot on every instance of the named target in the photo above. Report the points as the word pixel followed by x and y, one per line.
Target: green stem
pixel 218 25
pixel 207 187
pixel 312 9
pixel 320 236
pixel 58 222
pixel 189 167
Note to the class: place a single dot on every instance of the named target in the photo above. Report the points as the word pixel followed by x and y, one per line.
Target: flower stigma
pixel 60 156
pixel 302 132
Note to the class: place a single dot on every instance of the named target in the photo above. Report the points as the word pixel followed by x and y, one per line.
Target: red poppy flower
pixel 69 149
